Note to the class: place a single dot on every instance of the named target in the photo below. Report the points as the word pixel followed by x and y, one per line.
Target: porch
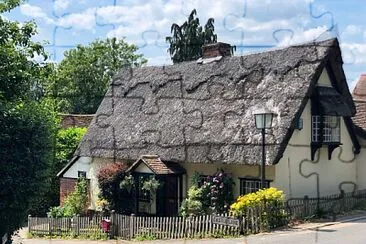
pixel 158 186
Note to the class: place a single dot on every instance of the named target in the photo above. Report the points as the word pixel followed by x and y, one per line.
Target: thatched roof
pixel 192 112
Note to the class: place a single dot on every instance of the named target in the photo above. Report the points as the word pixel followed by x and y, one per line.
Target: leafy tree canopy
pixel 81 79
pixel 187 40
pixel 27 124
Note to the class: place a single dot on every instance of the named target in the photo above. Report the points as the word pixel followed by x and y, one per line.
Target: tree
pixel 187 40
pixel 81 79
pixel 27 123
pixel 66 141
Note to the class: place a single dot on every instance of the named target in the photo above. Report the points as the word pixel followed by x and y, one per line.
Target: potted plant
pixel 150 185
pixel 127 183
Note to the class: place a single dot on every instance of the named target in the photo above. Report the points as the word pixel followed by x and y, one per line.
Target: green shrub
pixel 268 201
pixel 212 194
pixel 193 204
pixel 145 237
pixel 74 204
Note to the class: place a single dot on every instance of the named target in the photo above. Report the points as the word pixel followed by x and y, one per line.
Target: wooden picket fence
pixel 129 227
pixel 76 226
pixel 255 220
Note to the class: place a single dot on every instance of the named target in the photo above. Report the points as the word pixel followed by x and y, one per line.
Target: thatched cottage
pixel 198 117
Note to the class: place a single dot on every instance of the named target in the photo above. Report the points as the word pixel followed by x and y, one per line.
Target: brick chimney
pixel 216 49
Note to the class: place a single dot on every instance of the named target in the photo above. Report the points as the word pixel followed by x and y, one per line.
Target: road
pixel 351 232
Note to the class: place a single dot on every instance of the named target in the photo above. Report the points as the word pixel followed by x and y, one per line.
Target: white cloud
pixel 61 4
pixel 301 35
pixel 35 12
pixel 147 22
pixel 84 20
pixel 352 30
pixel 355 53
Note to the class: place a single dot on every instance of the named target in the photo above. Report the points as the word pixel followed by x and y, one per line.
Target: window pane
pixel 331 129
pixel 251 185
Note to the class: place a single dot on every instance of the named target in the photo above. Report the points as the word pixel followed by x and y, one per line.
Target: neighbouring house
pixel 75 120
pixel 359 97
pixel 198 117
pixel 69 180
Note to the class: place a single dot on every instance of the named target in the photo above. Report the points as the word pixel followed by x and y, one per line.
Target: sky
pixel 250 25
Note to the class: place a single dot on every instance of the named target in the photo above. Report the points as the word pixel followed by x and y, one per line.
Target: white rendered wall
pixel 297 175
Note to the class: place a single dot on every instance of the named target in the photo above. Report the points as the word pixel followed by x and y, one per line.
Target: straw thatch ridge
pixel 192 112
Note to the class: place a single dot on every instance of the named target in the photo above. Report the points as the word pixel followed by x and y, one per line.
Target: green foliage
pixel 26 150
pixel 109 180
pixel 268 201
pixel 218 192
pixel 150 184
pixel 75 203
pixel 196 179
pixel 127 183
pixel 213 194
pixel 145 237
pixel 92 234
pixel 66 141
pixel 192 205
pixel 187 40
pixel 81 79
pixel 27 124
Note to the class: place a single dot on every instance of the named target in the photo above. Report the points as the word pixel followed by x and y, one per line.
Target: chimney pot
pixel 216 49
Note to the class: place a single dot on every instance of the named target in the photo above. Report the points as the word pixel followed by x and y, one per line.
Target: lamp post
pixel 263 121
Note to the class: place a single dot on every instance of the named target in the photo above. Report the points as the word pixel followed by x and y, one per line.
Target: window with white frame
pixel 249 185
pixel 330 126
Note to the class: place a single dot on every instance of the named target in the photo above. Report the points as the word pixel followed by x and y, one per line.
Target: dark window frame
pixel 81 174
pixel 322 132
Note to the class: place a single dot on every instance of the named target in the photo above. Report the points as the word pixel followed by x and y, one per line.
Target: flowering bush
pixel 110 172
pixel 219 191
pixel 213 194
pixel 102 204
pixel 269 201
pixel 109 179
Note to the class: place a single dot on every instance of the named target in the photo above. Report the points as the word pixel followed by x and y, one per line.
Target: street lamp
pixel 263 120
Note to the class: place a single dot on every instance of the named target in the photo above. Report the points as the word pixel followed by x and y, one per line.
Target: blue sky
pixel 251 25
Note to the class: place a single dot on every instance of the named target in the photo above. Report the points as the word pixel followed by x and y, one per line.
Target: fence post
pixel 343 200
pixel 49 221
pixel 29 224
pixel 77 222
pixel 112 227
pixel 132 224
pixel 306 206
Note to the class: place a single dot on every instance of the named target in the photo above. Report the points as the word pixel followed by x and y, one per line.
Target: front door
pixel 168 196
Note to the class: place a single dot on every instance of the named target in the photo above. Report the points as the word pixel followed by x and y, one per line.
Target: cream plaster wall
pixel 142 168
pixel 297 175
pixel 92 167
pixel 235 170
pixel 95 165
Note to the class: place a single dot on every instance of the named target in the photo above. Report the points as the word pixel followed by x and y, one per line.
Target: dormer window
pixel 325 129
pixel 328 106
